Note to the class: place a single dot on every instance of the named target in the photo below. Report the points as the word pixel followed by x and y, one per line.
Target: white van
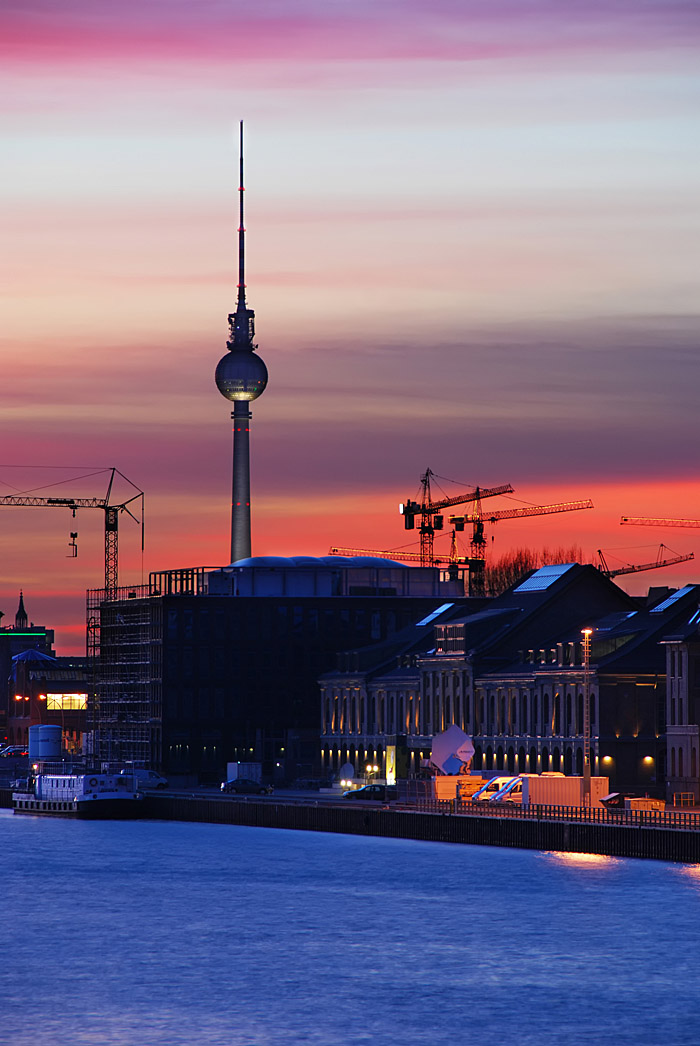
pixel 148 778
pixel 489 789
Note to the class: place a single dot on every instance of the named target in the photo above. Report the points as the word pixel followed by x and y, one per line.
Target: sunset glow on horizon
pixel 472 245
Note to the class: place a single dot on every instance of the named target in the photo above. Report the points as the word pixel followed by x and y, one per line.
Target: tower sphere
pixel 241 376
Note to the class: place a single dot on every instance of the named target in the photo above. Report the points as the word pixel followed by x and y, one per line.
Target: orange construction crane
pixel 641 521
pixel 633 569
pixel 478 539
pixel 429 512
pixel 453 562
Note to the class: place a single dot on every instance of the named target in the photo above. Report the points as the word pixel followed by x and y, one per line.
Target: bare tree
pixel 514 565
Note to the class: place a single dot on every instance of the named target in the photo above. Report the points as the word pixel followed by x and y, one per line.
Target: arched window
pixel 556 761
pixel 489 758
pixel 545 760
pixel 533 760
pixel 568 762
pixel 546 725
pixel 478 758
pixel 522 760
pixel 556 718
pixel 502 723
pixel 523 714
pixel 492 715
pixel 511 759
pixel 693 762
pixel 680 762
pixel 579 762
pixel 499 758
pixel 569 714
pixel 535 718
pixel 673 762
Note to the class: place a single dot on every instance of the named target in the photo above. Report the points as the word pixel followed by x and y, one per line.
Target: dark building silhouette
pixel 208 666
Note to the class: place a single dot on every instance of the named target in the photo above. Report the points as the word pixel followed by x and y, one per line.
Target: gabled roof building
pixel 512 675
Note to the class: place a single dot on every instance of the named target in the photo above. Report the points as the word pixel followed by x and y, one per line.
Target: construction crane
pixel 452 562
pixel 635 568
pixel 641 521
pixel 478 538
pixel 111 514
pixel 429 512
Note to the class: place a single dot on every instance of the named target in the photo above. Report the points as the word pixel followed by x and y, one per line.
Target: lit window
pixel 65 702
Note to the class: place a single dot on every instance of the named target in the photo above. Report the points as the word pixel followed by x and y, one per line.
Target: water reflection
pixel 582 859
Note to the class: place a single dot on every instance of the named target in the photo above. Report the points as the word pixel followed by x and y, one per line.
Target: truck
pixel 554 789
pixel 250 771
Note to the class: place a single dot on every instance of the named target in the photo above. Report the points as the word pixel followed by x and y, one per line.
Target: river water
pixel 155 933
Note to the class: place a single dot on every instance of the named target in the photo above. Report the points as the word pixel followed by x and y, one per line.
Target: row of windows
pixel 693 762
pixel 499 714
pixel 495 714
pixel 675 664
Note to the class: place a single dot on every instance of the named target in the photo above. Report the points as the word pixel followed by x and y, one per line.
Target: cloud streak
pixel 228 33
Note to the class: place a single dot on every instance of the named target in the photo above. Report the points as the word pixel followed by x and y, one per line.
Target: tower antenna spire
pixel 241 226
pixel 241 376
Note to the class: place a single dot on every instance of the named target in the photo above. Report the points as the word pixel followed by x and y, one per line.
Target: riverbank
pixel 547 832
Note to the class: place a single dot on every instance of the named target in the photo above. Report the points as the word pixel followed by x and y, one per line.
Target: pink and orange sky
pixel 473 245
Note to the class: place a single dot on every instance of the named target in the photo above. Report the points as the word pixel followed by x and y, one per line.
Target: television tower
pixel 241 376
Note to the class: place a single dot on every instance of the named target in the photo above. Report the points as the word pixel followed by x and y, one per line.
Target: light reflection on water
pixel 581 859
pixel 166 934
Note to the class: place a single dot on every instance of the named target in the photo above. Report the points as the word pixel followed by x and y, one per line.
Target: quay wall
pixel 557 833
pixel 614 840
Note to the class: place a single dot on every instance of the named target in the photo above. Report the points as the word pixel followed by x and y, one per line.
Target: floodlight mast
pixel 587 632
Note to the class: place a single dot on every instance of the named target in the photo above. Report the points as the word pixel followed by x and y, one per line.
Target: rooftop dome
pixel 315 562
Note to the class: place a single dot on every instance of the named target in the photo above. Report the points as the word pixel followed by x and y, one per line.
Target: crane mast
pixel 478 519
pixel 429 512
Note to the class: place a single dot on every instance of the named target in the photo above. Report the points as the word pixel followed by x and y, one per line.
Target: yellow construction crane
pixel 642 521
pixel 478 519
pixel 111 515
pixel 429 512
pixel 635 568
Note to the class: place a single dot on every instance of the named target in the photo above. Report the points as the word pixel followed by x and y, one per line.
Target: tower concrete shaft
pixel 240 497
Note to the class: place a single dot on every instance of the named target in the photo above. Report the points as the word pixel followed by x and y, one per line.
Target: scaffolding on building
pixel 125 702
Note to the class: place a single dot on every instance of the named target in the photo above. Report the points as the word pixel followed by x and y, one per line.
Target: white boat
pixel 90 795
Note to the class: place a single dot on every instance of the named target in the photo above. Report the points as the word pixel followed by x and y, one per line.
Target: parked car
pixel 616 800
pixel 14 752
pixel 148 778
pixel 371 791
pixel 244 786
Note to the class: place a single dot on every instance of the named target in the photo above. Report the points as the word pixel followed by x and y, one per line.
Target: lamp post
pixel 587 716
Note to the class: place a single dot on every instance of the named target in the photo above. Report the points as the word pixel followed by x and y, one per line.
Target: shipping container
pixel 557 790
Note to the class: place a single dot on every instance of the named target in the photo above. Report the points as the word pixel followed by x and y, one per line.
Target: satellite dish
pixel 451 750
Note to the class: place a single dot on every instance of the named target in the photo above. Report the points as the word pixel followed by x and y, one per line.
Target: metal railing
pixel 640 818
